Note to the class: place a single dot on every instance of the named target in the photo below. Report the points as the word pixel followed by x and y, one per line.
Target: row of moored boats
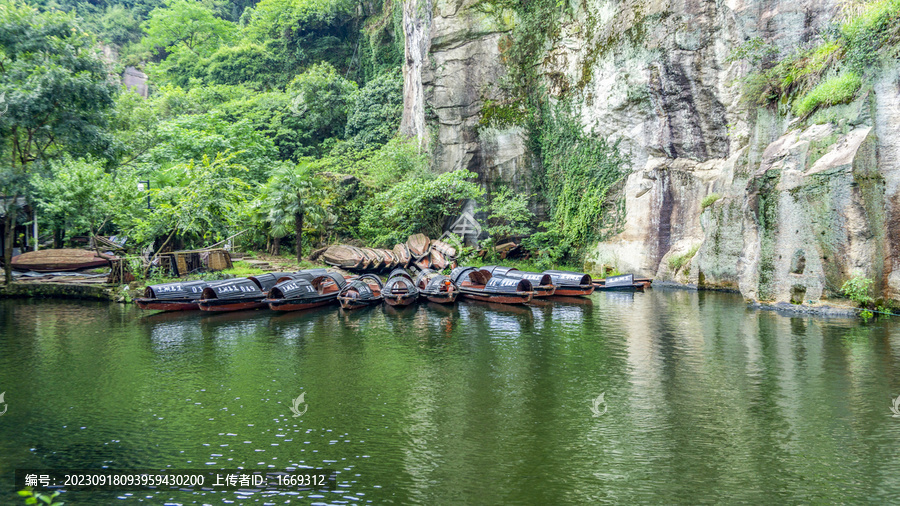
pixel 292 291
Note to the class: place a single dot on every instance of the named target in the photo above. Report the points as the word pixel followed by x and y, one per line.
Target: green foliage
pixel 193 137
pixel 581 173
pixel 293 191
pixel 870 32
pixel 186 25
pixel 397 160
pixel 321 100
pixel 374 116
pixel 755 50
pixel 835 90
pixel 865 33
pixel 55 85
pixel 78 196
pixel 550 245
pixel 676 262
pixel 246 63
pixel 32 497
pixel 858 289
pixel 416 205
pixel 199 203
pixel 299 33
pixel 709 200
pixel 508 215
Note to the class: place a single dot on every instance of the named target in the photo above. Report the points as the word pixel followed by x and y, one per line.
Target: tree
pixel 294 198
pixel 375 115
pixel 186 25
pixel 320 101
pixel 197 202
pixel 58 89
pixel 76 197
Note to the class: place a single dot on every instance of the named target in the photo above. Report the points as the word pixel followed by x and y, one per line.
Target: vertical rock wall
pixel 721 193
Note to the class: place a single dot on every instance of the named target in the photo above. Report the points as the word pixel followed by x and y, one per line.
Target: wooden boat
pixel 304 293
pixel 50 260
pixel 233 295
pixel 444 248
pixel 345 257
pixel 362 291
pixel 647 282
pixel 438 262
pixel 480 285
pixel 419 245
pixel 423 263
pixel 623 283
pixel 376 261
pixel 172 296
pixel 571 284
pixel 388 257
pixel 402 252
pixel 266 281
pixel 436 287
pixel 541 283
pixel 400 290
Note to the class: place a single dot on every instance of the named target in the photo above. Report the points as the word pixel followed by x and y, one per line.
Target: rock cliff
pixel 721 193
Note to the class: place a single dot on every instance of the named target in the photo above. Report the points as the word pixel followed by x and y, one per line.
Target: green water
pixel 706 401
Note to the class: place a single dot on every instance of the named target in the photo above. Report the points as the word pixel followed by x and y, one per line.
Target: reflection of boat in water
pixel 620 297
pixel 169 316
pixel 500 307
pixel 442 309
pixel 247 315
pixel 573 301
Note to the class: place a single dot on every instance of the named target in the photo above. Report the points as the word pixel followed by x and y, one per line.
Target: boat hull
pixel 544 291
pixel 637 287
pixel 574 291
pixel 167 305
pixel 500 298
pixel 223 305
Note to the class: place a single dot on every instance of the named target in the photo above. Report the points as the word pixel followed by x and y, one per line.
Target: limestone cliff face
pixel 801 207
pixel 454 64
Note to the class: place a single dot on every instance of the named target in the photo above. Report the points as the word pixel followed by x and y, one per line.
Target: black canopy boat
pixel 571 284
pixel 266 281
pixel 305 290
pixel 647 282
pixel 436 287
pixel 400 290
pixel 541 283
pixel 362 291
pixel 623 283
pixel 183 296
pixel 232 295
pixel 481 285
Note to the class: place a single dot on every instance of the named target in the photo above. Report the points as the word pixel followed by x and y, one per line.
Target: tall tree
pixel 58 89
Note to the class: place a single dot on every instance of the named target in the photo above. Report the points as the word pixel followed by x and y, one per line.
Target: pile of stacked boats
pixel 291 291
pixel 418 251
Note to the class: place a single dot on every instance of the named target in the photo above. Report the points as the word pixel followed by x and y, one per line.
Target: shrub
pixel 677 262
pixel 858 288
pixel 709 200
pixel 834 90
